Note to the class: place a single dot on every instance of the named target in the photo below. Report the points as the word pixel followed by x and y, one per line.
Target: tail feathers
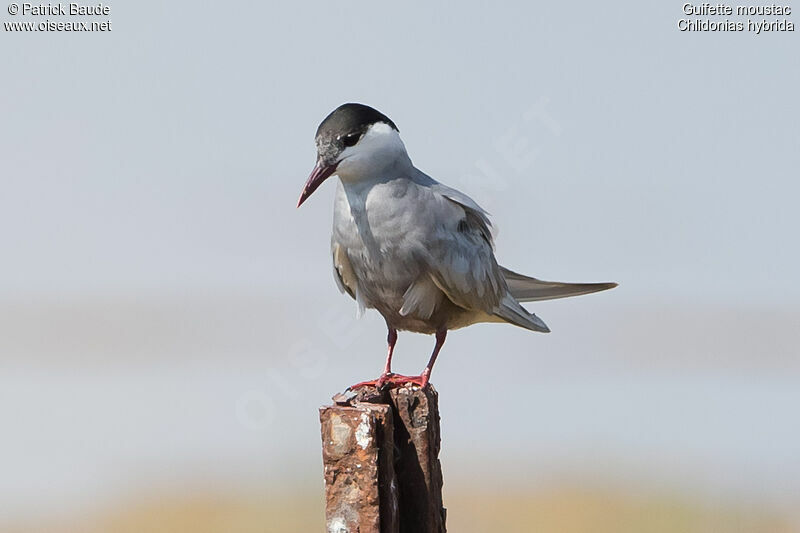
pixel 528 289
pixel 511 311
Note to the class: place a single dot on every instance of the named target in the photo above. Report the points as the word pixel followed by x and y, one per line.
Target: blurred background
pixel 169 323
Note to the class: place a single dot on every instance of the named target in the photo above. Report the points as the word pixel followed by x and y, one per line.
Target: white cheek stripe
pixel 380 128
pixel 380 142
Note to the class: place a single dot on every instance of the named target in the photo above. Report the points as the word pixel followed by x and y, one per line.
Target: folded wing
pixel 462 264
pixel 527 289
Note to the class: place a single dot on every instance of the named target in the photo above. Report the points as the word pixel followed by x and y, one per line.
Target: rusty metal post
pixel 357 454
pixel 380 451
pixel 419 473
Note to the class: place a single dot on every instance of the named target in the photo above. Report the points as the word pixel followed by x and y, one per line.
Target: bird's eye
pixel 351 138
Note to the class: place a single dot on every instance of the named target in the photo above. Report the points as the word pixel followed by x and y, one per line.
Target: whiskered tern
pixel 417 251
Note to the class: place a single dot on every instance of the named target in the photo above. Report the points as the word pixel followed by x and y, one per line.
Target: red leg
pixel 423 379
pixel 441 335
pixel 387 369
pixel 392 340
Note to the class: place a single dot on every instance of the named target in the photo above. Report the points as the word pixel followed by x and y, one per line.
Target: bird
pixel 419 252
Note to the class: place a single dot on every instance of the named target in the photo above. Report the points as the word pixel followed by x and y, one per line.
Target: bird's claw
pixel 392 380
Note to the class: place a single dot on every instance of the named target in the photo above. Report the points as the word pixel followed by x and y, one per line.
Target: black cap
pixel 351 118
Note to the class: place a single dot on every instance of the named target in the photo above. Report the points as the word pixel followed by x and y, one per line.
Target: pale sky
pixel 155 270
pixel 171 150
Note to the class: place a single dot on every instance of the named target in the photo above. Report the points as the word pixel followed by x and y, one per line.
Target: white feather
pixel 377 151
pixel 421 298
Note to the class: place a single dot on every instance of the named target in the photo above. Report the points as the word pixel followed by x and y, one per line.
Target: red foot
pixel 398 380
pixel 393 380
pixel 370 383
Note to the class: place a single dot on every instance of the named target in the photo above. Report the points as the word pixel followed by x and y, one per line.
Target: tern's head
pixel 355 141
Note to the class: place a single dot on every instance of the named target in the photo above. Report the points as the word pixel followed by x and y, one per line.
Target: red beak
pixel 320 173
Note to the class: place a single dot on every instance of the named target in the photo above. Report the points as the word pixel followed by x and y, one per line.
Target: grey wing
pixel 528 289
pixel 343 271
pixel 345 276
pixel 453 195
pixel 462 264
pixel 469 205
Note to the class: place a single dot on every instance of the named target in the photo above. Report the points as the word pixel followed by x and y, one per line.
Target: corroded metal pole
pixel 380 451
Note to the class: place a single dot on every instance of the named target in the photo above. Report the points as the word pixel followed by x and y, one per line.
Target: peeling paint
pixel 340 434
pixel 337 525
pixel 362 432
pixel 393 490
